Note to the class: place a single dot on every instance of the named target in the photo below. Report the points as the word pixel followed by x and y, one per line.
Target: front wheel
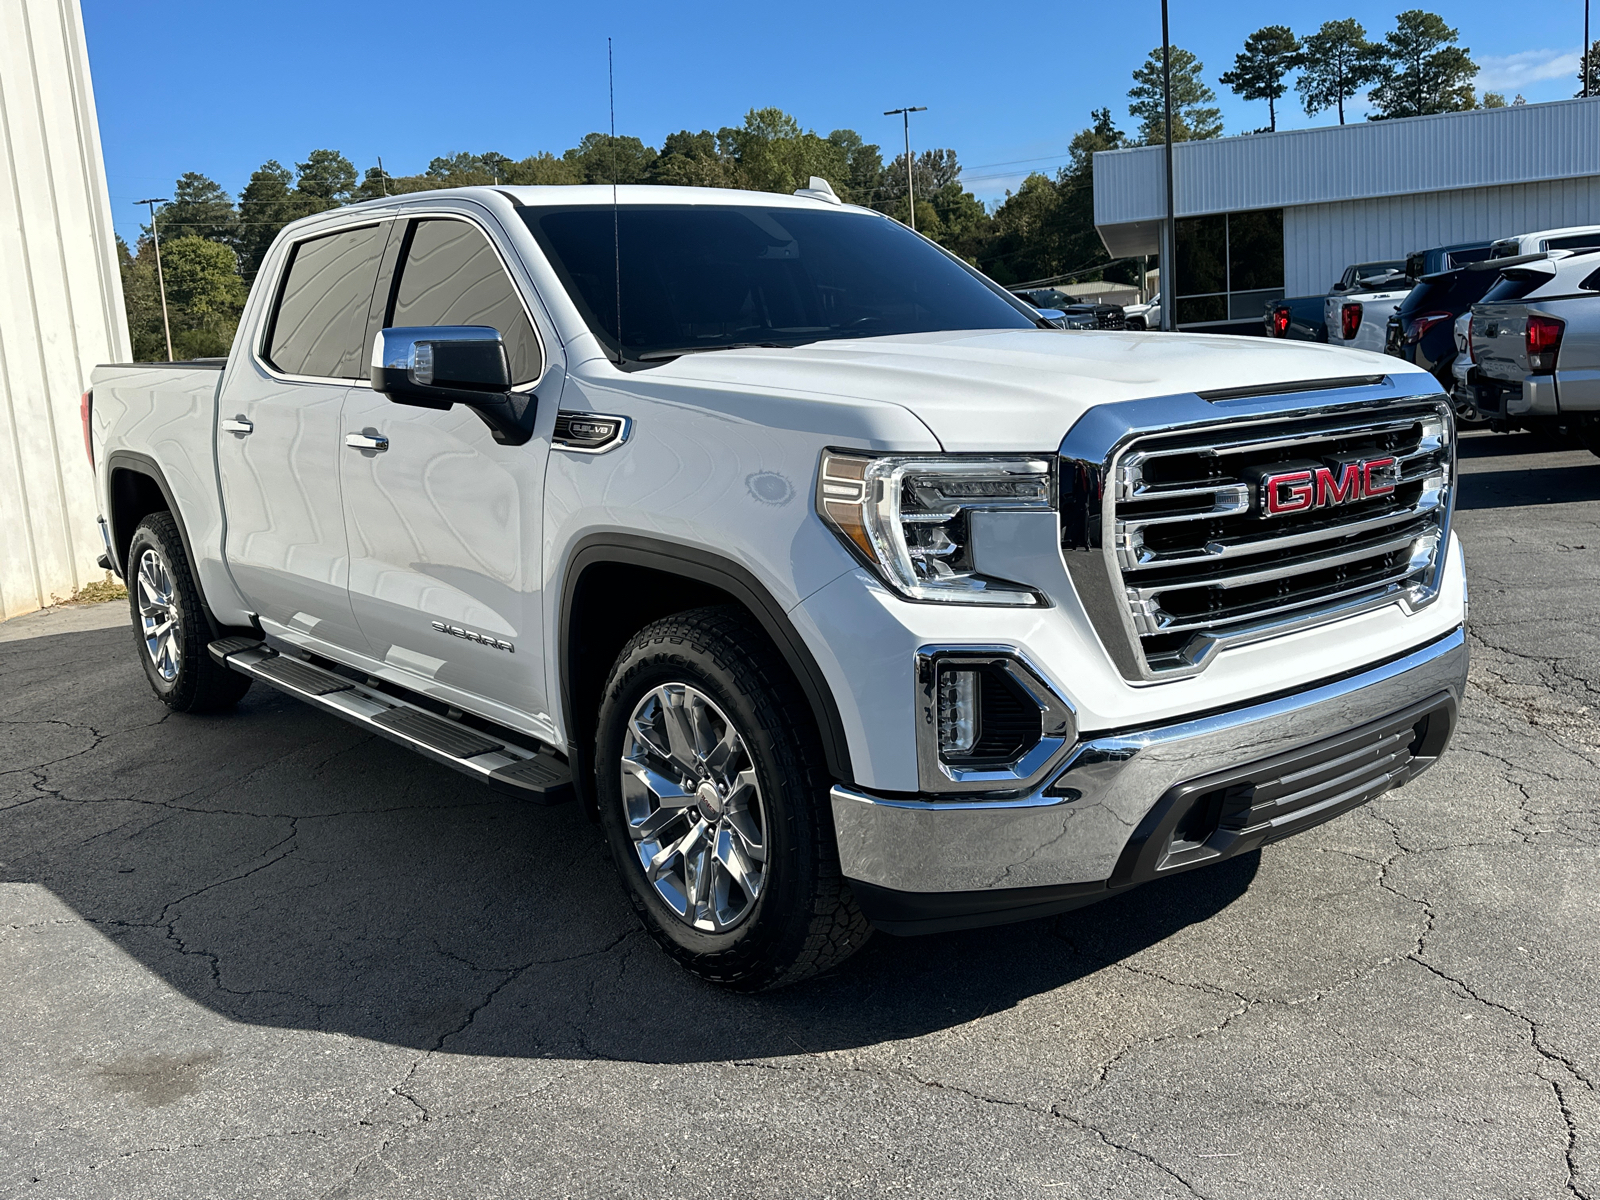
pixel 713 797
pixel 170 625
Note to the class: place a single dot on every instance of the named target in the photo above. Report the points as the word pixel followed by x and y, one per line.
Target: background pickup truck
pixel 1356 310
pixel 1298 319
pixel 841 589
pixel 1536 342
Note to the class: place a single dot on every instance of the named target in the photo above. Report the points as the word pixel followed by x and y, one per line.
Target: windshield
pixel 696 277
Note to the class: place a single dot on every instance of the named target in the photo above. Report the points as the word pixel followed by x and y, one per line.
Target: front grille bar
pixel 1189 565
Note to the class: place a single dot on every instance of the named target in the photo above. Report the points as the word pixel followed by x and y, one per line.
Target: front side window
pixel 451 275
pixel 704 277
pixel 320 321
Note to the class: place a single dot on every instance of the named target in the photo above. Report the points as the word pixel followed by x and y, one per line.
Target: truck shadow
pixel 1545 473
pixel 280 868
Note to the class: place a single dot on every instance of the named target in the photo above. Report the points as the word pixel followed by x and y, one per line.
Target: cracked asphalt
pixel 265 955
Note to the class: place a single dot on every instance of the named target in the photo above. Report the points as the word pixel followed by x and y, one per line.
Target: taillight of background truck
pixel 1280 321
pixel 1544 342
pixel 1420 325
pixel 85 409
pixel 1472 353
pixel 1350 320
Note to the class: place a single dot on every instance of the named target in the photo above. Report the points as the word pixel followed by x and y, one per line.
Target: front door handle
pixel 238 425
pixel 365 441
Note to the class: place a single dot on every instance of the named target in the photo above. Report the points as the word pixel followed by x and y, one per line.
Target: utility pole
pixel 161 278
pixel 383 180
pixel 1169 246
pixel 1587 48
pixel 911 192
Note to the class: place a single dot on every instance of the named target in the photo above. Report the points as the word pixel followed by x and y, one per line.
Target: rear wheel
pixel 713 796
pixel 170 625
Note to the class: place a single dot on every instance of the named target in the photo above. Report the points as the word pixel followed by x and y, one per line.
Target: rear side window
pixel 321 319
pixel 451 275
pixel 1574 241
pixel 1515 285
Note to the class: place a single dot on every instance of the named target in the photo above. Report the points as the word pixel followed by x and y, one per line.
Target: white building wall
pixel 1320 240
pixel 60 301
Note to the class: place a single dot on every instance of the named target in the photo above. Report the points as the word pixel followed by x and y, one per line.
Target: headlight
pixel 907 518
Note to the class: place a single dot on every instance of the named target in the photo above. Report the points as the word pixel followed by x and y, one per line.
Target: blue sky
pixel 219 88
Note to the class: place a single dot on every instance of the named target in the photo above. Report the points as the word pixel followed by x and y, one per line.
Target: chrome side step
pixel 536 775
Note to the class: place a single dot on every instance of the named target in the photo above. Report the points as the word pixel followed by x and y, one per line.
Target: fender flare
pixel 703 566
pixel 143 464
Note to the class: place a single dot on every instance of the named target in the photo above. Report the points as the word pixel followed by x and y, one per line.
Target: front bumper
pixel 1133 806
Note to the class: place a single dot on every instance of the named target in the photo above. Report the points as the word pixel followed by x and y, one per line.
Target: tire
pixel 1589 432
pixel 169 624
pixel 713 675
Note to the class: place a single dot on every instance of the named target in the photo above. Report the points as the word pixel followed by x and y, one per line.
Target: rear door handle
pixel 363 441
pixel 238 425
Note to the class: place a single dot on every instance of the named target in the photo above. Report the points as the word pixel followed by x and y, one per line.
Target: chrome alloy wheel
pixel 693 807
pixel 158 616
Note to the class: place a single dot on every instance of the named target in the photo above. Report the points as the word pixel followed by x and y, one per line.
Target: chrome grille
pixel 1195 564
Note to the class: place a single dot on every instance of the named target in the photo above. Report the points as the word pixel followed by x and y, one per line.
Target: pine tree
pixel 1259 71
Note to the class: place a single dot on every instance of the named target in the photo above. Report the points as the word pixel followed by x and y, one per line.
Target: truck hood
pixel 1021 389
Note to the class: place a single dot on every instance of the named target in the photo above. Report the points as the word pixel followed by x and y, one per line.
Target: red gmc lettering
pixel 1346 487
pixel 1370 487
pixel 1287 493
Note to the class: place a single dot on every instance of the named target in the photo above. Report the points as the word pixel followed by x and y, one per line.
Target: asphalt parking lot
pixel 266 955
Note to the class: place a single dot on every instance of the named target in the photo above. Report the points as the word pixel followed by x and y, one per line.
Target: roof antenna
pixel 616 220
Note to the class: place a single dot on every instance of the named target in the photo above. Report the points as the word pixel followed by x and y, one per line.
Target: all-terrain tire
pixel 161 585
pixel 804 919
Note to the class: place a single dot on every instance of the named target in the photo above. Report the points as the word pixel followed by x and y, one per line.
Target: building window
pixel 1228 266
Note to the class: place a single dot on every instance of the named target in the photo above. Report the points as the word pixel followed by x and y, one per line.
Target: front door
pixel 444 522
pixel 279 439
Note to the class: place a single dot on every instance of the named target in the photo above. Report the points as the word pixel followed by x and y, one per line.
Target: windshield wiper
pixel 662 355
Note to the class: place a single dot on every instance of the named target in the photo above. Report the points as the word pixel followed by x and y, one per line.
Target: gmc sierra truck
pixel 843 590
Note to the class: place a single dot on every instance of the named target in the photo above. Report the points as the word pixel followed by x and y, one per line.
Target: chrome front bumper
pixel 1064 841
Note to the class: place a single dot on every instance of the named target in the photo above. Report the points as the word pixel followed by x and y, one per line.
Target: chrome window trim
pixel 1090 455
pixel 411 213
pixel 282 258
pixel 1058 724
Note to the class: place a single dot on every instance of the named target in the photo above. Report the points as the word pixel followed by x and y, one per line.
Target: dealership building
pixel 1273 214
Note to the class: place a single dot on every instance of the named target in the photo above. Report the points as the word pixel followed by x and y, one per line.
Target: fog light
pixel 958 711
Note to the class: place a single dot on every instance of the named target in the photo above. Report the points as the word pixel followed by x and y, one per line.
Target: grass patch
pixel 101 591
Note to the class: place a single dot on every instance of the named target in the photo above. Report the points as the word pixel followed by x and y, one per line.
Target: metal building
pixel 1272 214
pixel 60 301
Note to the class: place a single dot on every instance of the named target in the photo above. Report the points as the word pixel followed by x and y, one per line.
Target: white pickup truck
pixel 1358 307
pixel 840 589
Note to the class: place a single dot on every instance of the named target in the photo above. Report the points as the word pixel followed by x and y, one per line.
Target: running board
pixel 505 766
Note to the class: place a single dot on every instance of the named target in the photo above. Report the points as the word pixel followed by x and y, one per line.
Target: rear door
pixel 444 522
pixel 279 437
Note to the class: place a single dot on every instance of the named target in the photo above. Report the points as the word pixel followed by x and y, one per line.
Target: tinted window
pixel 452 276
pixel 1574 241
pixel 1203 255
pixel 321 320
pixel 706 276
pixel 1515 287
pixel 1463 255
pixel 1255 250
pixel 1454 291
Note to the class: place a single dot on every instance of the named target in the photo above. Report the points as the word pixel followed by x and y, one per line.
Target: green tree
pixel 204 297
pixel 1335 63
pixel 691 160
pixel 1494 100
pixel 1259 71
pixel 265 206
pixel 1423 71
pixel 863 167
pixel 1591 61
pixel 199 208
pixel 542 168
pixel 325 181
pixel 601 158
pixel 1194 112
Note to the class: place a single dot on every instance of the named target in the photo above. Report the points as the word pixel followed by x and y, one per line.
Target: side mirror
pixel 1054 315
pixel 439 366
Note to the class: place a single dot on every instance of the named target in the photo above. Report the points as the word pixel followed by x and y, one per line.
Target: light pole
pixel 1169 247
pixel 911 192
pixel 1587 47
pixel 161 278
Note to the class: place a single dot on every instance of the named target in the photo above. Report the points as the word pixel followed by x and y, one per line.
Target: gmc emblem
pixel 1304 487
